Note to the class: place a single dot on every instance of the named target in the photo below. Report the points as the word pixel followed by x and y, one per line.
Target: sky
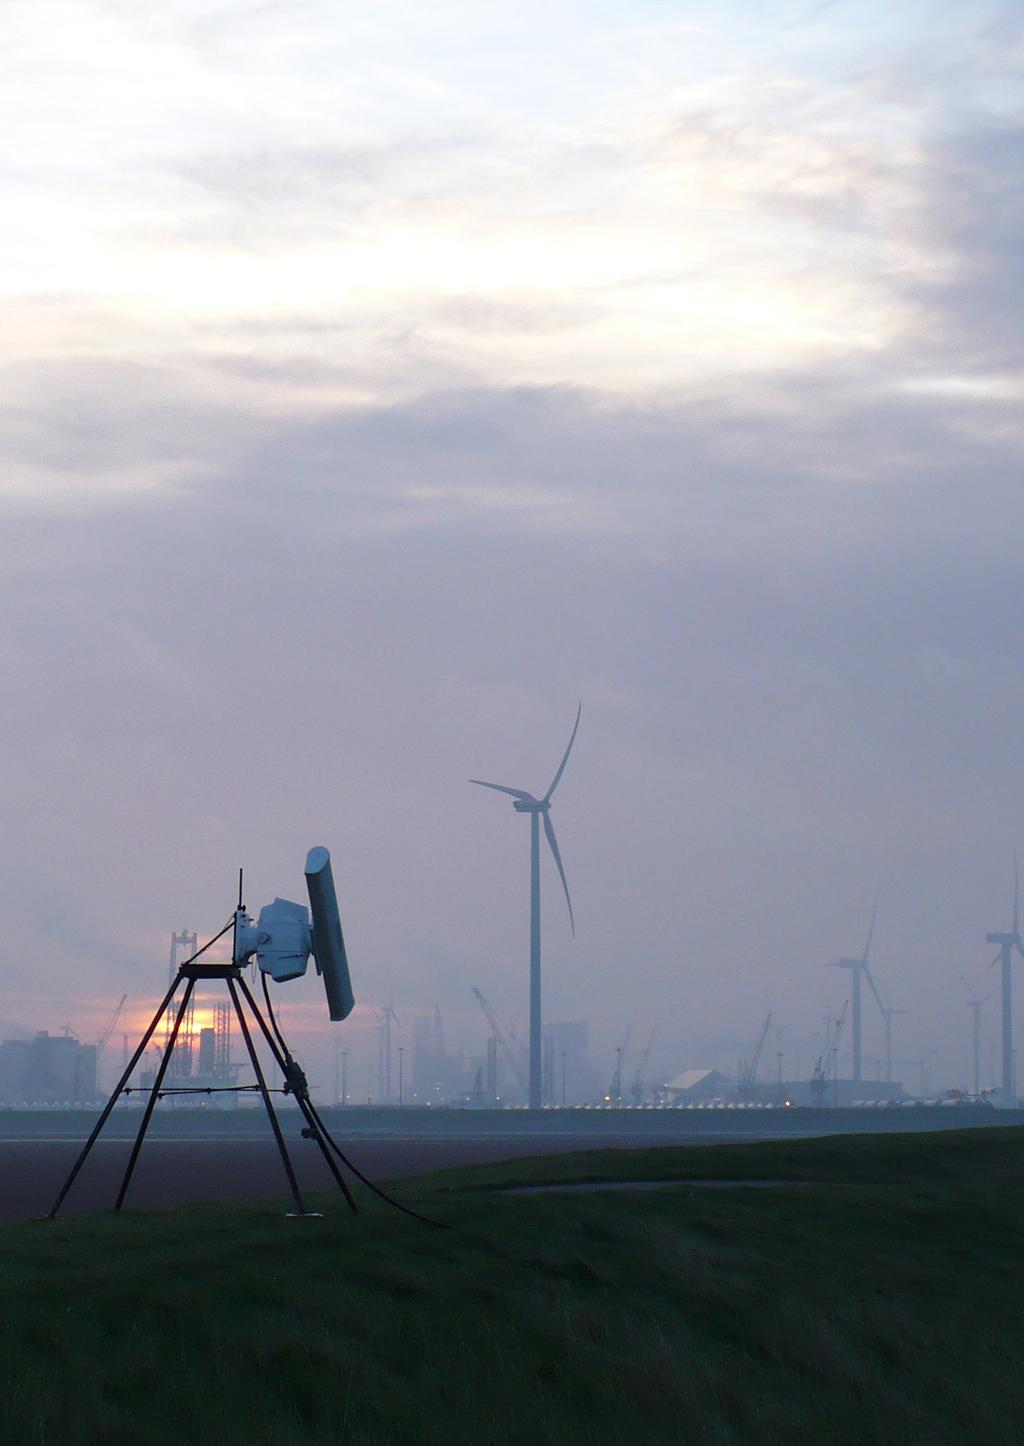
pixel 380 382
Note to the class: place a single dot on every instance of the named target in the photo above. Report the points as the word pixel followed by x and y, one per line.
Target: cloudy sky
pixel 379 381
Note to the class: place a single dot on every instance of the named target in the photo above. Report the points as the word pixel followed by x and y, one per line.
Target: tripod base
pixel 190 974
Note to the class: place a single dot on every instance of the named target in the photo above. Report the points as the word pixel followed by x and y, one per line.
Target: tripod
pixel 190 973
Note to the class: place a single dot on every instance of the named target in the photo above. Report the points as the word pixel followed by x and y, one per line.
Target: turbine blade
pixel 996 960
pixel 565 758
pixel 1015 893
pixel 549 832
pixel 515 792
pixel 871 931
pixel 874 990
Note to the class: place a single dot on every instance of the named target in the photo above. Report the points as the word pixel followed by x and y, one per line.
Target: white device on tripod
pixel 283 937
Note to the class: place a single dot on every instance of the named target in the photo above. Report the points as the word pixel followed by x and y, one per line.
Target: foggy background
pixel 377 388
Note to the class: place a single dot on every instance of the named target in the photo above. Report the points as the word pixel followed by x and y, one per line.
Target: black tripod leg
pixel 114 1097
pixel 302 1101
pixel 154 1092
pixel 286 1161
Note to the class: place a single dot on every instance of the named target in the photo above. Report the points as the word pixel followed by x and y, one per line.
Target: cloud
pixel 973 213
pixel 801 681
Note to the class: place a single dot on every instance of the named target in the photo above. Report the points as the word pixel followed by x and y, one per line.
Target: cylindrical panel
pixel 328 943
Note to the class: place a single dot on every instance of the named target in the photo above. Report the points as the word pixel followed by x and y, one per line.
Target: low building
pixel 51 1069
pixel 697 1085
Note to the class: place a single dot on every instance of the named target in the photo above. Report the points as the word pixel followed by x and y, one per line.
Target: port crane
pixel 102 1041
pixel 614 1095
pixel 748 1071
pixel 827 1060
pixel 501 1036
pixel 639 1086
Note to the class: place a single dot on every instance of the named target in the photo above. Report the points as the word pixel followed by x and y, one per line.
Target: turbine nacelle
pixel 524 802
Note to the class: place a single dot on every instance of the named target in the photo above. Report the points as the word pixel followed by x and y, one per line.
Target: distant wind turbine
pixel 887 1014
pixel 538 808
pixel 858 967
pixel 1007 943
pixel 975 1004
pixel 386 1015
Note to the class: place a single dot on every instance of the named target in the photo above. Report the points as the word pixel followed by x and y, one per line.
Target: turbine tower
pixel 385 1016
pixel 538 808
pixel 857 967
pixel 887 1015
pixel 975 1006
pixel 1007 943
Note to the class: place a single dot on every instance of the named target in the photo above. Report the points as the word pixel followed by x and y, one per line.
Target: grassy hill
pixel 870 1293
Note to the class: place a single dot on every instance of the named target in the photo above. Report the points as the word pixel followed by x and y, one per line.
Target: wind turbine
pixel 538 808
pixel 1007 943
pixel 386 1015
pixel 975 1005
pixel 887 1015
pixel 857 967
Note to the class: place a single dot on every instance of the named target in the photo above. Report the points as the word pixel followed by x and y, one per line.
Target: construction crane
pixel 102 1041
pixel 614 1095
pixel 502 1037
pixel 639 1087
pixel 827 1060
pixel 748 1071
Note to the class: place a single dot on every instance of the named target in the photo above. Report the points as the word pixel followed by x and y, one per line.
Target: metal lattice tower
pixel 181 1060
pixel 222 1039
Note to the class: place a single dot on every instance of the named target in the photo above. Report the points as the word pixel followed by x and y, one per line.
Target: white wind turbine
pixel 538 808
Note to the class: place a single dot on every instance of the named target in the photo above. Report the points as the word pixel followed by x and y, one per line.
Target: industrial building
pixel 51 1069
pixel 700 1086
pixel 696 1086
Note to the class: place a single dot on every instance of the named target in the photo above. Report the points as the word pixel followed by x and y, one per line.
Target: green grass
pixel 879 1303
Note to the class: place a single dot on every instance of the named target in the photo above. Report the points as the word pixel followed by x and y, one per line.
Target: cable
pixel 405 1209
pixel 325 1132
pixel 273 1018
pixel 195 956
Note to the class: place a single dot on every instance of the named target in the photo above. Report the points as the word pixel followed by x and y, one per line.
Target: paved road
pixel 178 1165
pixel 175 1171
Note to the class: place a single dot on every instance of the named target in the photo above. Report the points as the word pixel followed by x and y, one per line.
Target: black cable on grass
pixel 325 1132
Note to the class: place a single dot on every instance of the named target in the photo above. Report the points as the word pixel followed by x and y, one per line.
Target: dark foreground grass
pixel 876 1299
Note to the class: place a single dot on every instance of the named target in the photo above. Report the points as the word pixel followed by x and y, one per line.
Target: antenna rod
pixel 234 936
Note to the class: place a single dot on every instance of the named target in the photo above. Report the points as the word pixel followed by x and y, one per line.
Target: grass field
pixel 874 1297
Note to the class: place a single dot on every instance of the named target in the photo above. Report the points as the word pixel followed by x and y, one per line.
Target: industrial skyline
pixel 502 1074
